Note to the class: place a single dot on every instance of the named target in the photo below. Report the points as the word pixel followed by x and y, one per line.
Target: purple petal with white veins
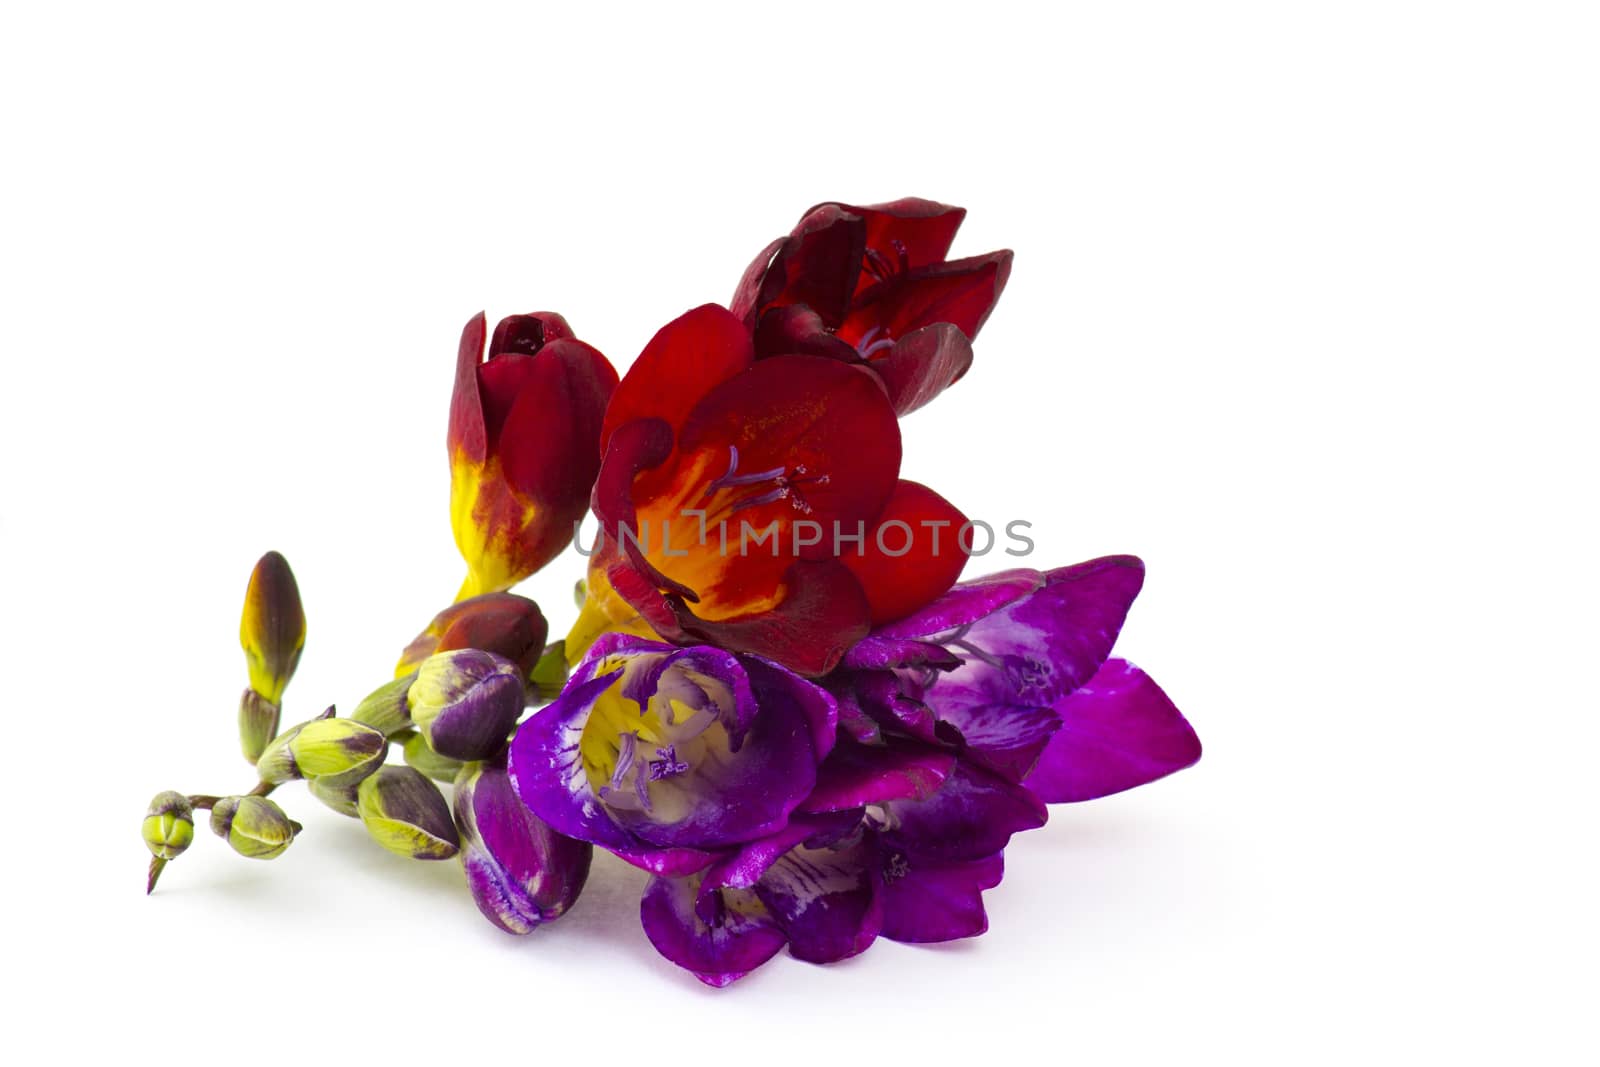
pixel 742 938
pixel 548 770
pixel 1118 731
pixel 924 904
pixel 971 816
pixel 825 899
pixel 857 775
pixel 744 868
pixel 1021 660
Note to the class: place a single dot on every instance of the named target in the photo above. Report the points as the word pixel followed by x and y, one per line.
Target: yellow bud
pixel 272 629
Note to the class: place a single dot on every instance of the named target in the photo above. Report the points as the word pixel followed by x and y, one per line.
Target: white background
pixel 1303 313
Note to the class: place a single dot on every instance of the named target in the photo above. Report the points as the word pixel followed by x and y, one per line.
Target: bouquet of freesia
pixel 778 698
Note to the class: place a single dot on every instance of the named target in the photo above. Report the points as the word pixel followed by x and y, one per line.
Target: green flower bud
pixel 550 673
pixel 258 723
pixel 341 798
pixel 253 826
pixel 168 825
pixel 272 629
pixel 386 707
pixel 425 759
pixel 406 814
pixel 342 750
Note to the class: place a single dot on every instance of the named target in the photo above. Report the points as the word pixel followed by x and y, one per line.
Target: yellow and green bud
pixel 342 751
pixel 406 814
pixel 341 798
pixel 386 707
pixel 465 702
pixel 168 825
pixel 420 754
pixel 272 629
pixel 258 723
pixel 254 827
pixel 549 675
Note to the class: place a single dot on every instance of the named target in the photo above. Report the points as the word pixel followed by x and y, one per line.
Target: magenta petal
pixel 521 872
pixel 744 868
pixel 925 904
pixel 814 703
pixel 973 815
pixel 825 899
pixel 1030 654
pixel 857 775
pixel 741 938
pixel 1118 731
pixel 874 652
pixel 667 862
pixel 964 603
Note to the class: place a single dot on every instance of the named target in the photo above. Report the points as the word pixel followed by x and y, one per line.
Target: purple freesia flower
pixel 774 812
pixel 898 841
pixel 1013 670
pixel 667 755
pixel 956 725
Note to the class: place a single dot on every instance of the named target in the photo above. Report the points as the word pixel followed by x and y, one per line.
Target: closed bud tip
pixel 466 702
pixel 386 707
pixel 342 751
pixel 272 629
pixel 168 825
pixel 503 623
pixel 406 814
pixel 520 871
pixel 253 826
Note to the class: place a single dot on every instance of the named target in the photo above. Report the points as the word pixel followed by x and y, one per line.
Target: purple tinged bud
pixel 520 871
pixel 254 826
pixel 272 629
pixel 406 814
pixel 466 702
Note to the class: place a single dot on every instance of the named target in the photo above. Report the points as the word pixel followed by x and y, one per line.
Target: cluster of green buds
pixel 453 705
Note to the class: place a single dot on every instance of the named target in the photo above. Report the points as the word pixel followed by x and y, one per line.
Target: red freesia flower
pixel 524 445
pixel 741 502
pixel 871 285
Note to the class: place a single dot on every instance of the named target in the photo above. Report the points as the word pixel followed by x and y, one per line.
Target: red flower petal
pixel 923 228
pixel 549 445
pixel 797 330
pixel 923 364
pixel 528 333
pixel 898 584
pixel 962 291
pixel 684 360
pixel 820 612
pixel 466 433
pixel 827 424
